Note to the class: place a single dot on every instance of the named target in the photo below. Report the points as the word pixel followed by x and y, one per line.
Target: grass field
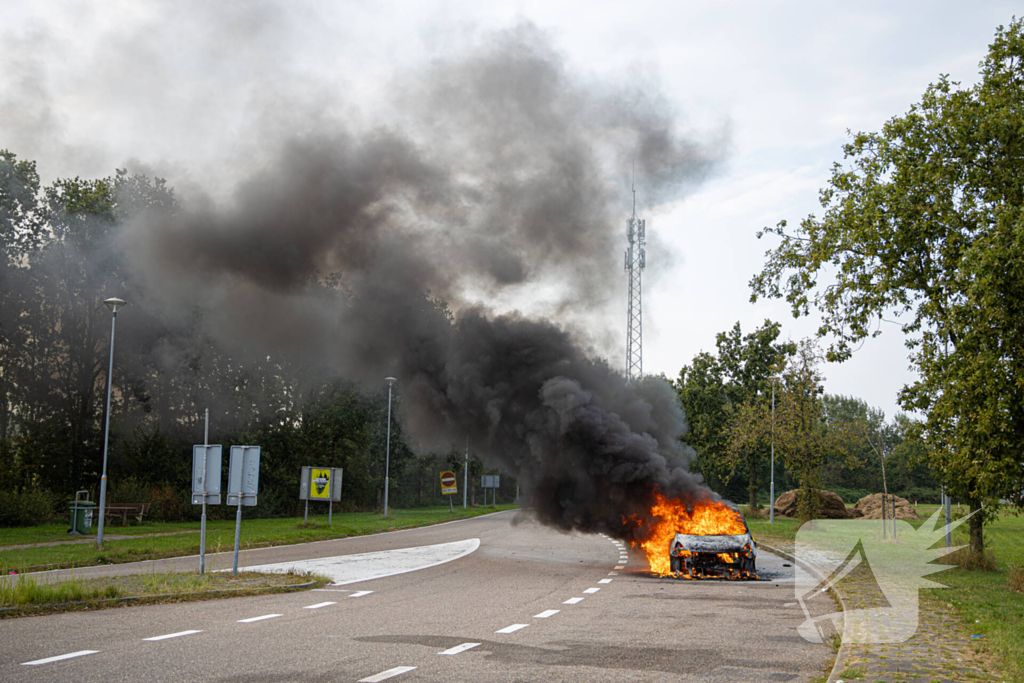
pixel 982 599
pixel 31 597
pixel 220 536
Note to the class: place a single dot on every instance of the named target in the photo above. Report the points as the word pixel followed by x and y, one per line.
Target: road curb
pixel 843 655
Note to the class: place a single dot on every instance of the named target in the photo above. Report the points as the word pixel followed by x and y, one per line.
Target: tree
pixel 708 411
pixel 925 219
pixel 20 228
pixel 714 391
pixel 803 439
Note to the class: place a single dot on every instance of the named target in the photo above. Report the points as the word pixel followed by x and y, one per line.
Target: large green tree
pixel 925 220
pixel 714 389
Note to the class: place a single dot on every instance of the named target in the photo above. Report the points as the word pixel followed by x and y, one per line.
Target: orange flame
pixel 670 516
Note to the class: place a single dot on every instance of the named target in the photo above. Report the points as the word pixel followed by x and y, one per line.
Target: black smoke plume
pixel 502 181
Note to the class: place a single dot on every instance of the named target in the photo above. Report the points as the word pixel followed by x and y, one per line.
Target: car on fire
pixel 730 556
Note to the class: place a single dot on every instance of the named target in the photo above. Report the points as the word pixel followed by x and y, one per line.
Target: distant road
pixel 527 604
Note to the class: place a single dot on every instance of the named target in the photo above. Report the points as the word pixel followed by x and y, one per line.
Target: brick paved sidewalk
pixel 940 651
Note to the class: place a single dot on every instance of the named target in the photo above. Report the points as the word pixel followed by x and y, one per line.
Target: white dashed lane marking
pixel 359 594
pixel 48 660
pixel 458 648
pixel 260 618
pixel 546 613
pixel 605 581
pixel 591 590
pixel 613 573
pixel 572 601
pixel 512 629
pixel 172 635
pixel 385 675
pixel 621 566
pixel 319 605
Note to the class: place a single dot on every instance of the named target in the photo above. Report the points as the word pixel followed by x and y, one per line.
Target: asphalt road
pixel 634 627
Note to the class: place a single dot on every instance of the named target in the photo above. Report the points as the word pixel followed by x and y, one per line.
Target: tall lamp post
pixel 771 495
pixel 387 462
pixel 113 303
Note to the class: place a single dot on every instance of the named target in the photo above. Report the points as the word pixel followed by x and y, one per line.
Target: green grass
pixel 984 601
pixel 29 596
pixel 981 599
pixel 220 536
pixel 47 533
pixel 784 528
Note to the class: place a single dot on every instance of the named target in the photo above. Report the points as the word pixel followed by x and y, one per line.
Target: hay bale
pixel 832 506
pixel 870 507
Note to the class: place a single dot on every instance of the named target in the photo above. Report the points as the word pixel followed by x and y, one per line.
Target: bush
pixel 850 495
pixel 1016 582
pixel 28 508
pixel 965 559
pixel 128 490
pixel 166 505
pixel 918 494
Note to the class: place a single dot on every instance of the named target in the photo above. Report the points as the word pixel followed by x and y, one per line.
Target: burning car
pixel 715 555
pixel 704 538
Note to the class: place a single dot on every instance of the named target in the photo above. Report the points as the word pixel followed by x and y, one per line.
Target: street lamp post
pixel 387 462
pixel 113 303
pixel 771 494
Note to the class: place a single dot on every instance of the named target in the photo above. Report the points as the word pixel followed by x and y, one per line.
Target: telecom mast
pixel 636 261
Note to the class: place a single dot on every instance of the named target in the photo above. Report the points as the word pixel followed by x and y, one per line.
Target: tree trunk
pixel 975 526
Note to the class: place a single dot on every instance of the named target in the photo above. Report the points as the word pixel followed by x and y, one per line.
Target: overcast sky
pixel 165 88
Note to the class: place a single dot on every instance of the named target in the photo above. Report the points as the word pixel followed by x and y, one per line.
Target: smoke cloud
pixel 495 184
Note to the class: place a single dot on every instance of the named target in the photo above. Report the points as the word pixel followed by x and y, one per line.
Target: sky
pixel 192 94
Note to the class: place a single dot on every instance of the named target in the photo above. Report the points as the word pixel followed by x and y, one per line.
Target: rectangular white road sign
pixel 206 462
pixel 243 475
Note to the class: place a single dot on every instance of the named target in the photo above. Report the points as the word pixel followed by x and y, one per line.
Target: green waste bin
pixel 82 510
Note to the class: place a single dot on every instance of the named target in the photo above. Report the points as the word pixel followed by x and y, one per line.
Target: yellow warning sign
pixel 320 486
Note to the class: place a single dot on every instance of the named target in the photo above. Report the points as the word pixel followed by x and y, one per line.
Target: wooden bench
pixel 125 510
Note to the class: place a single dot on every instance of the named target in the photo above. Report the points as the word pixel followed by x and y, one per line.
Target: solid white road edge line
pixel 591 590
pixel 261 618
pixel 171 635
pixel 384 675
pixel 458 648
pixel 546 613
pixel 512 629
pixel 319 605
pixel 573 601
pixel 80 653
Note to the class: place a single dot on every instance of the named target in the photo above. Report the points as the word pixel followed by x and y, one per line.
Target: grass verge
pixel 220 536
pixel 29 596
pixel 986 601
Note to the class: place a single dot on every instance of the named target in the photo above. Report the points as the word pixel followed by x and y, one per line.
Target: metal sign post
pixel 493 482
pixel 449 487
pixel 202 523
pixel 321 483
pixel 244 480
pixel 206 464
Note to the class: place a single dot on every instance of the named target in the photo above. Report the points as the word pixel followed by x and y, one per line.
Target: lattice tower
pixel 636 261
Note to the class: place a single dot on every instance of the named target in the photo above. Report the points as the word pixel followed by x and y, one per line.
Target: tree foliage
pixel 58 260
pixel 925 220
pixel 716 390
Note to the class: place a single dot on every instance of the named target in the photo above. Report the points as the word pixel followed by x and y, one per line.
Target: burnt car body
pixel 730 557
